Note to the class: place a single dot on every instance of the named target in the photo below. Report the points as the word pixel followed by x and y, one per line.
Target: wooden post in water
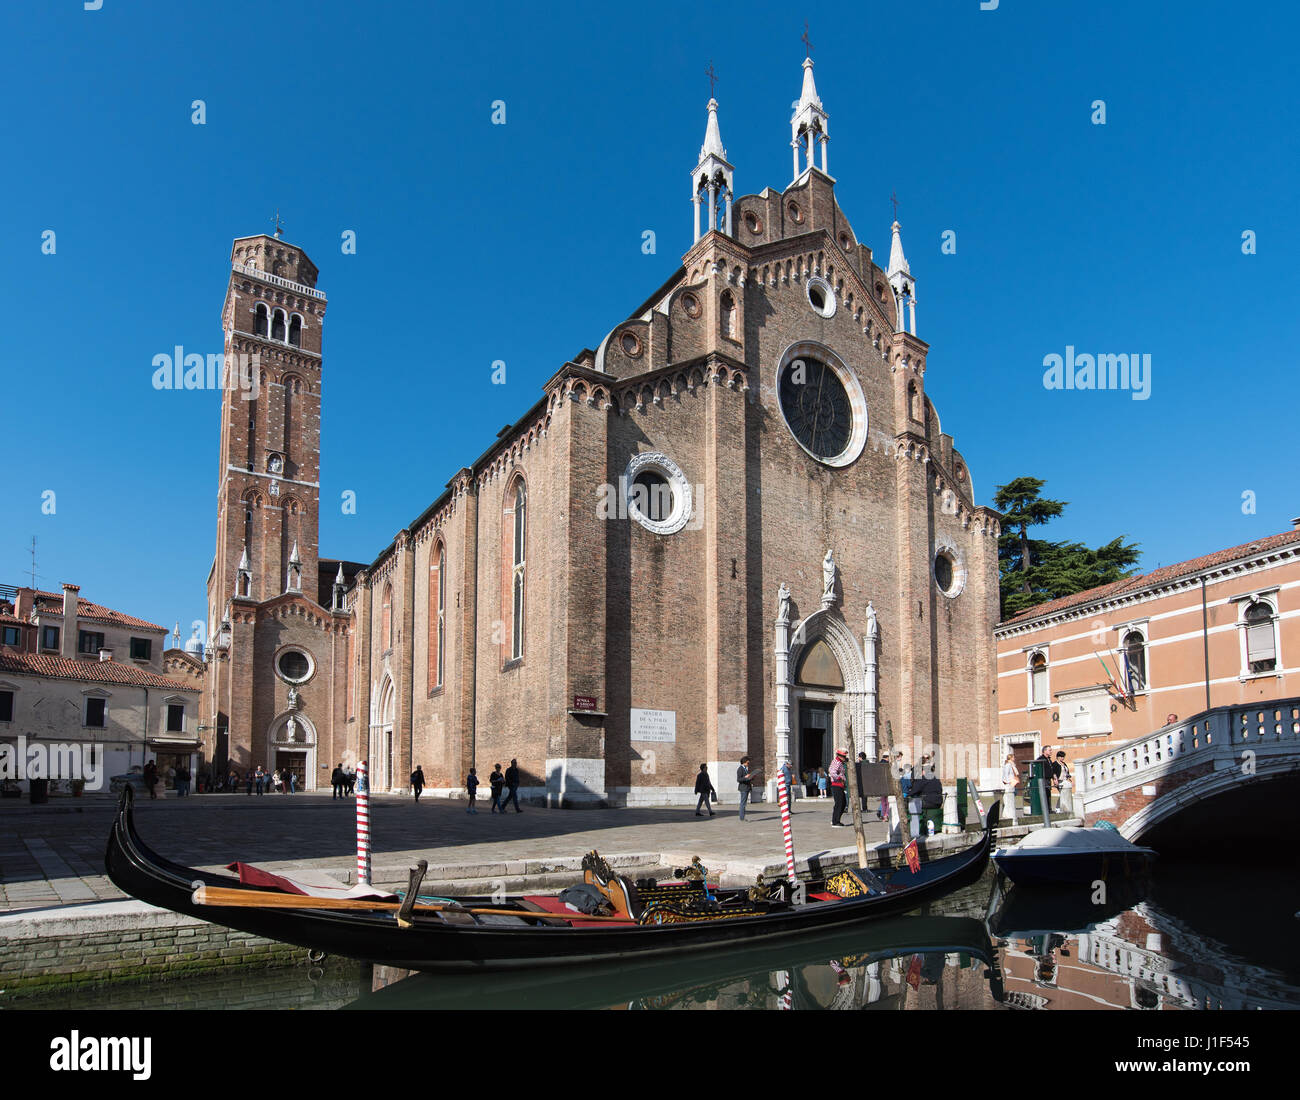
pixel 851 781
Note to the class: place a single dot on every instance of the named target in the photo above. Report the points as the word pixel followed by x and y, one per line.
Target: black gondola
pixel 458 939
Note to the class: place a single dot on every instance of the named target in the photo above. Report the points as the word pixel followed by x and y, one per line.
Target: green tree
pixel 1034 571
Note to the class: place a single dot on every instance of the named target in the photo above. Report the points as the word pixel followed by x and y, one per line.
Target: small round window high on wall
pixel 293 666
pixel 949 573
pixel 658 494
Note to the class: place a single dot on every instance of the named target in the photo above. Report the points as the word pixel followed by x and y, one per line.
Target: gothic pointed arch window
pixel 386 620
pixel 515 526
pixel 437 614
pixel 727 315
pixel 1134 648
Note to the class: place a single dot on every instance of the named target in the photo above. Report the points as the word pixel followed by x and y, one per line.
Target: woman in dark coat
pixel 704 788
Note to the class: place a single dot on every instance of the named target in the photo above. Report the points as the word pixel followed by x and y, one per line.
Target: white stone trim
pixel 944 545
pixel 683 503
pixel 828 310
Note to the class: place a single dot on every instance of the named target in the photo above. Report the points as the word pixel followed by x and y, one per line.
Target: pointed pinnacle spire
pixel 808 97
pixel 294 559
pixel 244 567
pixel 712 146
pixel 897 261
pixel 339 578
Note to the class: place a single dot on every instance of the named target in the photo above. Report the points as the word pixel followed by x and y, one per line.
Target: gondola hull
pixel 431 944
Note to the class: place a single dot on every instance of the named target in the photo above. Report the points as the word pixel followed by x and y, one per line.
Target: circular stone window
pixel 293 666
pixel 821 296
pixel 949 573
pixel 631 344
pixel 822 403
pixel 658 494
pixel 691 306
pixel 796 215
pixel 845 243
pixel 753 223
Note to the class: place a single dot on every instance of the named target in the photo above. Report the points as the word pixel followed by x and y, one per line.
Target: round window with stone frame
pixel 822 403
pixel 691 306
pixel 294 666
pixel 821 296
pixel 631 344
pixel 658 494
pixel 949 572
pixel 796 215
pixel 753 222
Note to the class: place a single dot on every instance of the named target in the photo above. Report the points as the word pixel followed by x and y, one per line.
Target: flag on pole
pixel 913 856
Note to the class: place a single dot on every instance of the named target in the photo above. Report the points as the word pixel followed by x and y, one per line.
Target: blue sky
pixel 522 242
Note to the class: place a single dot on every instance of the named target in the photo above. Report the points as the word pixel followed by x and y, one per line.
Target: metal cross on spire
pixel 894 199
pixel 279 225
pixel 713 79
pixel 805 39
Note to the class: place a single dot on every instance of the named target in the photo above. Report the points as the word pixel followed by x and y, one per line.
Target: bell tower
pixel 268 477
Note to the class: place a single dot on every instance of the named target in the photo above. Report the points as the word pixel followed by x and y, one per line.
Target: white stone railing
pixel 1223 731
pixel 278 280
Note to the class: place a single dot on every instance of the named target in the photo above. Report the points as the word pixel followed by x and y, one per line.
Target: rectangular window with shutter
pixel 96 711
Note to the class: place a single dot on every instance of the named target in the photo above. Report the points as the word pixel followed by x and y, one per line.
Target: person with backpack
pixel 703 788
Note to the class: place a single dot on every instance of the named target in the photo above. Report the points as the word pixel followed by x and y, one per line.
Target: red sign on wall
pixel 584 702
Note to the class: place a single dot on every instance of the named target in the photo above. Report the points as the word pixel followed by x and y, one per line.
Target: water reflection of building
pixel 1141 959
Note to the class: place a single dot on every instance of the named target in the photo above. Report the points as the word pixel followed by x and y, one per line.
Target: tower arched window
pixel 437 615
pixel 262 320
pixel 727 315
pixel 277 325
pixel 913 401
pixel 516 516
pixel 386 620
pixel 295 331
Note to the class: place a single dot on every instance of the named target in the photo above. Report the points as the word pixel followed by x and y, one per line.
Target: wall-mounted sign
pixel 584 702
pixel 654 725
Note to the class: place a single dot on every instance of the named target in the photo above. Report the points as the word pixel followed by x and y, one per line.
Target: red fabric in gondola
pixel 255 876
pixel 556 906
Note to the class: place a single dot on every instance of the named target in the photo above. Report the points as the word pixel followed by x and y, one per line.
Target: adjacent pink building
pixel 1088 672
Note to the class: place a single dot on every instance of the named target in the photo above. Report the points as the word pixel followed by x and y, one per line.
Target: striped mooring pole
pixel 783 792
pixel 363 825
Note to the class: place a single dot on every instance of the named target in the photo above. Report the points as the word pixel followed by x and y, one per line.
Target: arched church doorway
pixel 291 747
pixel 819 686
pixel 381 739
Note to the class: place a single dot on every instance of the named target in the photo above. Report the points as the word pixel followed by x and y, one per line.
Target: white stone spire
pixel 900 278
pixel 293 583
pixel 810 123
pixel 712 177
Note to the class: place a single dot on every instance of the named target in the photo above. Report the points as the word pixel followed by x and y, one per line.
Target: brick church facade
pixel 731 528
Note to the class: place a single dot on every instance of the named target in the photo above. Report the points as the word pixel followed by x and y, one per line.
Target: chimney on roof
pixel 1295 523
pixel 105 655
pixel 23 604
pixel 68 648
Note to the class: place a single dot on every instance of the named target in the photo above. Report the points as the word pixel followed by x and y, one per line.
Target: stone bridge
pixel 1141 783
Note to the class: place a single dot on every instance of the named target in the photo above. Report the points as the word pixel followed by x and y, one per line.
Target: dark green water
pixel 1199 936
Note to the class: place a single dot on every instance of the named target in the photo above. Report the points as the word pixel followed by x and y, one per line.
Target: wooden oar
pixel 229 897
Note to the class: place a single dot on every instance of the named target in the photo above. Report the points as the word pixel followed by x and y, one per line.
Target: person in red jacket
pixel 838 776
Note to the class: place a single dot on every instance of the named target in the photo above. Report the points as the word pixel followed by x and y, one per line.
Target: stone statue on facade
pixel 783 603
pixel 828 578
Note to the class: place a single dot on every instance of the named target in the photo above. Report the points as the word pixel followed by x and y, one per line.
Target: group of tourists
pixel 504 787
pixel 343 780
pixel 1056 773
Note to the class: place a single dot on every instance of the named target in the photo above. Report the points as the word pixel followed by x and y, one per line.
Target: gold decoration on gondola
pixel 662 912
pixel 594 862
pixel 757 892
pixel 846 884
pixel 696 872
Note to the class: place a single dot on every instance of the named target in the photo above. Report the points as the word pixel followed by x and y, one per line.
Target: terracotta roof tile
pixel 1159 576
pixel 93 612
pixel 69 668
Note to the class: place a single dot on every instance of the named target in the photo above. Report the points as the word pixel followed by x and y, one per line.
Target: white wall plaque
pixel 654 725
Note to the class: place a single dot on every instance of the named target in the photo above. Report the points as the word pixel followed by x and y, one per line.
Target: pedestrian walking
pixel 837 779
pixel 471 785
pixel 151 778
pixel 293 781
pixel 417 781
pixel 337 781
pixel 1010 781
pixel 745 783
pixel 349 781
pixel 703 788
pixel 498 782
pixel 248 780
pixel 1065 785
pixel 512 787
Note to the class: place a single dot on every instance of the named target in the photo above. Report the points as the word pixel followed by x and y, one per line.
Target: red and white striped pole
pixel 363 825
pixel 783 793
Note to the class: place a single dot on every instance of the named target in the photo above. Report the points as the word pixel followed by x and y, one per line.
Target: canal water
pixel 1198 936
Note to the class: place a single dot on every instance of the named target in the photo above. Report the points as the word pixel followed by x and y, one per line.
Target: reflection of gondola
pixel 474 934
pixel 1020 913
pixel 652 983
